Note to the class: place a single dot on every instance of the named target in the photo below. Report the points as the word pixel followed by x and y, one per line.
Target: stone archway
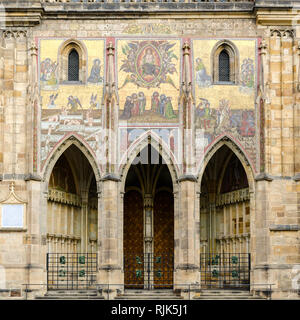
pixel 225 220
pixel 72 222
pixel 148 235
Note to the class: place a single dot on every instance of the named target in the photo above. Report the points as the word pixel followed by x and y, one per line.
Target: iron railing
pixel 225 270
pixel 148 271
pixel 71 271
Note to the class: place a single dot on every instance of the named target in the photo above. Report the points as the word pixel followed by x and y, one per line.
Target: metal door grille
pixel 71 271
pixel 73 66
pixel 149 271
pixel 225 270
pixel 224 67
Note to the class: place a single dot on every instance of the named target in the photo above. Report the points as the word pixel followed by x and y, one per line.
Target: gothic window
pixel 72 62
pixel 224 67
pixel 225 62
pixel 73 66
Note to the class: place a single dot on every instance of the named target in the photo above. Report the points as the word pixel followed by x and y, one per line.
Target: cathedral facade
pixel 149 145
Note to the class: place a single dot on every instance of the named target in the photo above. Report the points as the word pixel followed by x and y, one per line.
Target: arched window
pixel 225 62
pixel 73 66
pixel 224 67
pixel 72 62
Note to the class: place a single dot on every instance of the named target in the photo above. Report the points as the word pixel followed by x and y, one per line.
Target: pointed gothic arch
pixel 149 208
pixel 55 154
pixel 156 142
pixel 236 149
pixel 227 202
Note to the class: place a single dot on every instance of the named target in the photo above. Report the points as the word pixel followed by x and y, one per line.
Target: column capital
pixel 187 177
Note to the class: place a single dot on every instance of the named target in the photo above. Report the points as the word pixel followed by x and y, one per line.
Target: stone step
pixel 225 295
pixel 69 297
pixel 227 298
pixel 148 295
pixel 148 298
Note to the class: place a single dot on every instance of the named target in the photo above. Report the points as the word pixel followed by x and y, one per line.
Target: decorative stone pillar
pixel 148 237
pixel 110 239
pixel 187 258
pixel 84 221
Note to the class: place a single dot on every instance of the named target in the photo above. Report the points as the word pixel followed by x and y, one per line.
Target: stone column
pixel 110 248
pixel 110 219
pixel 84 225
pixel 37 246
pixel 187 257
pixel 148 236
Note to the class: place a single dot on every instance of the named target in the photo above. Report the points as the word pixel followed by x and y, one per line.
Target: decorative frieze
pixel 14 33
pixel 64 197
pixel 233 197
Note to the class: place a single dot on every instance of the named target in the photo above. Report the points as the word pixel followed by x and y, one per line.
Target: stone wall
pixel 274 199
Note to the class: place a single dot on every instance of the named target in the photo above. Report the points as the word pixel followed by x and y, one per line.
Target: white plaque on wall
pixel 12 216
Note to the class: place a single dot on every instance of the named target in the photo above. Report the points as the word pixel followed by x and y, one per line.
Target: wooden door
pixel 133 240
pixel 163 259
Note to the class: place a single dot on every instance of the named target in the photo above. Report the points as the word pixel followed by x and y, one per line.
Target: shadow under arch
pixel 227 141
pixel 159 145
pixel 71 139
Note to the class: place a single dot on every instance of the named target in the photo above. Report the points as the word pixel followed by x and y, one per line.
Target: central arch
pixel 148 228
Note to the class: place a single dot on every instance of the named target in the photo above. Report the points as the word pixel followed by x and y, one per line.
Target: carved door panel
pixel 133 240
pixel 163 260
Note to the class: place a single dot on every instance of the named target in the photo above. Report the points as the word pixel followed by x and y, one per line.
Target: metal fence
pixel 71 271
pixel 225 270
pixel 148 271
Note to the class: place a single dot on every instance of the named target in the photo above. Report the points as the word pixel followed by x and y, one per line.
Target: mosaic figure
pixel 148 63
pixel 74 103
pixel 202 78
pixel 127 109
pixel 142 102
pixel 95 72
pixel 162 103
pixel 93 102
pixel 247 127
pixel 247 73
pixel 155 102
pixel 51 104
pixel 48 76
pixel 135 111
pixel 169 112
